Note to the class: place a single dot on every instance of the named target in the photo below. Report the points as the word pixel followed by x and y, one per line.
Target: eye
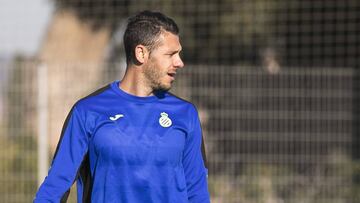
pixel 172 53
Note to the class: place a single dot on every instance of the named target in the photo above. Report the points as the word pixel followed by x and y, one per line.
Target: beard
pixel 153 76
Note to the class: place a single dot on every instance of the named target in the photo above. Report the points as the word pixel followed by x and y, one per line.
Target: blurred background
pixel 276 83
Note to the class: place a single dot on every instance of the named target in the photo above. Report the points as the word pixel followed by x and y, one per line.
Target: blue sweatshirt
pixel 119 147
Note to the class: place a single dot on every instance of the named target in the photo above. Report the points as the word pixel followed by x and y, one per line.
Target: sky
pixel 22 26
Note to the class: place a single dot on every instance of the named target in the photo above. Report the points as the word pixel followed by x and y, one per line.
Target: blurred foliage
pixel 18 103
pixel 18 147
pixel 228 32
pixel 356 180
pixel 268 183
pixel 99 13
pixel 18 168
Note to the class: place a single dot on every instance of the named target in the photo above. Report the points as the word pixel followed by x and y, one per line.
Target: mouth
pixel 172 75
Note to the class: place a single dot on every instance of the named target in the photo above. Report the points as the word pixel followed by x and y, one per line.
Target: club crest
pixel 164 120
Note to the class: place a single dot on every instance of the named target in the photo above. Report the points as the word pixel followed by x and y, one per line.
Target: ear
pixel 141 53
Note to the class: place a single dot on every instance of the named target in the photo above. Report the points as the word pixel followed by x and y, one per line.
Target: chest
pixel 140 137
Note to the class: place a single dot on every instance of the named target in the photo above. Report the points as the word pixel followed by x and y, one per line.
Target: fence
pixel 284 137
pixel 276 84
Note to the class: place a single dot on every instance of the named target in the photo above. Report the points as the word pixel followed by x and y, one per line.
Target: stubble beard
pixel 153 77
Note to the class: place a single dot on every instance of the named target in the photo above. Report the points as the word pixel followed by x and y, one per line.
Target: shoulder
pixel 191 107
pixel 93 98
pixel 178 99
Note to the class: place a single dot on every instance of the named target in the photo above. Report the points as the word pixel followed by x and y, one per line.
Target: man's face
pixel 163 63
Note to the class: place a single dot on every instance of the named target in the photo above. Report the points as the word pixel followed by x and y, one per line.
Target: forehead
pixel 169 42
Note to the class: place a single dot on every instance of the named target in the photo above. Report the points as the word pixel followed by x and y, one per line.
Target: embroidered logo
pixel 117 116
pixel 164 120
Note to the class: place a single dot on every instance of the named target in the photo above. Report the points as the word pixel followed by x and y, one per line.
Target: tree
pixel 74 51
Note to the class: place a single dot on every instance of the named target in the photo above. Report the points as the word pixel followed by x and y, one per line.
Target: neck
pixel 134 83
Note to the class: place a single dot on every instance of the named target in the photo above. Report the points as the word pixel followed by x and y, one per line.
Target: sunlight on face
pixel 163 63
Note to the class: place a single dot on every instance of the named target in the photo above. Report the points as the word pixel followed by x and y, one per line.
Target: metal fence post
pixel 42 108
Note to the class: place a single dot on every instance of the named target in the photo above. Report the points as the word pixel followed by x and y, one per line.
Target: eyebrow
pixel 174 52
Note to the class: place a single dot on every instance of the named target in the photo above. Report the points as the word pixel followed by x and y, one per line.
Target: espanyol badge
pixel 164 120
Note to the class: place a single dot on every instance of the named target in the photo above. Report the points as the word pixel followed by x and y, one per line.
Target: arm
pixel 69 154
pixel 193 162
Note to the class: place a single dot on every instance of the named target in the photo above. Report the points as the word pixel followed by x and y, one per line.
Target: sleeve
pixel 69 154
pixel 194 164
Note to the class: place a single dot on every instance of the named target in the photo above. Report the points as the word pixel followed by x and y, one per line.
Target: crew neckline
pixel 116 87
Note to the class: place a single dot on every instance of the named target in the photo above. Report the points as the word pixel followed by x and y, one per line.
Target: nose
pixel 178 63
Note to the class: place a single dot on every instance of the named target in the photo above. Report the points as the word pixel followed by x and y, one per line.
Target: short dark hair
pixel 145 28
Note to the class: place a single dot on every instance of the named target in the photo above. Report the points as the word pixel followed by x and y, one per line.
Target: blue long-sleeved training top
pixel 123 148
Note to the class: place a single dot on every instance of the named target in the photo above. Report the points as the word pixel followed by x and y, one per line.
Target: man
pixel 132 141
